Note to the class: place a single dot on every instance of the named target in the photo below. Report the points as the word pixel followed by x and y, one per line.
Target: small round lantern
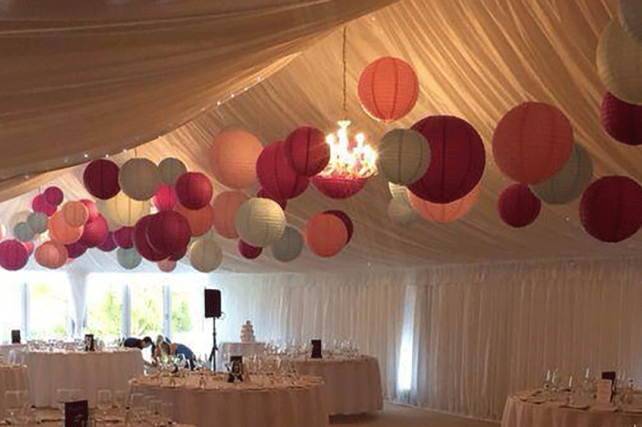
pixel 444 212
pixel 569 183
pixel 95 232
pixel 336 187
pixel 128 258
pixel 123 210
pixel 346 221
pixel 75 250
pixel 101 179
pixel 225 206
pixel 109 244
pixel 289 246
pixel 51 255
pixel 200 221
pixel 630 15
pixel 170 169
pixel 306 151
pixel 23 232
pixel 621 120
pixel 13 255
pixel 260 222
pixel 233 156
pixel 39 204
pixel 325 235
pixel 276 176
pixel 141 242
pixel 401 213
pixel 205 255
pixel 165 198
pixel 124 237
pixel 248 251
pixel 91 208
pixel 404 156
pixel 53 195
pixel 38 221
pixel 166 265
pixel 61 232
pixel 139 178
pixel 264 194
pixel 388 89
pixel 518 206
pixel 194 190
pixel 75 214
pixel 168 232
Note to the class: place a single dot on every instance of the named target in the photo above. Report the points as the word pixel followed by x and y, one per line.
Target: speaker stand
pixel 214 347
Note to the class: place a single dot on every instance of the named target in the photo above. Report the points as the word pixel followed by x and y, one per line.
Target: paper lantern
pixel 75 214
pixel 61 232
pixel 124 237
pixel 619 61
pixel 404 156
pixel 91 208
pixel 569 183
pixel 205 255
pixel 276 176
pixel 23 232
pixel 388 89
pixel 20 216
pixel 444 212
pixel 248 251
pixel 139 178
pixel 260 222
pixel 123 210
pixel 168 232
pixel 39 204
pixel 95 232
pixel 51 255
pixel 178 255
pixel 194 190
pixel 401 213
pixel 630 16
pixel 75 250
pixel 325 234
pixel 532 142
pixel 141 242
pixel 518 206
pixel 306 151
pixel 611 208
pixel 200 221
pixel 346 221
pixel 233 156
pixel 53 195
pixel 621 120
pixel 289 246
pixel 338 187
pixel 170 169
pixel 38 221
pixel 101 179
pixel 264 194
pixel 128 258
pixel 166 265
pixel 165 198
pixel 13 255
pixel 109 244
pixel 29 246
pixel 458 159
pixel 225 206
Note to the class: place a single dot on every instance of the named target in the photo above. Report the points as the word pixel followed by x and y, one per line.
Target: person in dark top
pixel 164 348
pixel 134 342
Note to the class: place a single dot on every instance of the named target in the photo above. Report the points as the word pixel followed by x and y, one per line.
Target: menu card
pixel 316 349
pixel 15 336
pixel 76 413
pixel 89 342
pixel 604 392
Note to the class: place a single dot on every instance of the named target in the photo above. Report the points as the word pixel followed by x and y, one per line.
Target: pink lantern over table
pixel 51 254
pixel 194 190
pixel 53 195
pixel 276 176
pixel 95 233
pixel 518 206
pixel 265 195
pixel 444 212
pixel 621 120
pixel 92 209
pixel 62 232
pixel 101 179
pixel 124 237
pixel 306 151
pixel 75 250
pixel 109 244
pixel 225 206
pixel 165 198
pixel 200 221
pixel 233 156
pixel 325 234
pixel 346 221
pixel 13 255
pixel 168 232
pixel 248 251
pixel 142 244
pixel 39 204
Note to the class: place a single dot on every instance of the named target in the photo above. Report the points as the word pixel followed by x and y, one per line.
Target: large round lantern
pixel 388 88
pixel 325 234
pixel 75 250
pixel 569 183
pixel 337 187
pixel 200 221
pixel 39 204
pixel 444 212
pixel 458 159
pixel 630 15
pixel 95 232
pixel 128 258
pixel 139 178
pixel 306 151
pixel 23 232
pixel 205 255
pixel 109 244
pixel 401 213
pixel 346 221
pixel 123 210
pixel 166 265
pixel 168 232
pixel 13 255
pixel 404 156
pixel 170 169
pixel 165 198
pixel 194 190
pixel 62 232
pixel 276 176
pixel 124 237
pixel 51 255
pixel 225 206
pixel 518 206
pixel 260 222
pixel 176 256
pixel 141 242
pixel 289 246
pixel 53 195
pixel 619 61
pixel 101 179
pixel 611 208
pixel 621 120
pixel 248 251
pixel 38 221
pixel 233 156
pixel 75 214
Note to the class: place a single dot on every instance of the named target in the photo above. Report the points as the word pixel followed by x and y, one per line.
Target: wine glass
pixel 11 404
pixel 104 401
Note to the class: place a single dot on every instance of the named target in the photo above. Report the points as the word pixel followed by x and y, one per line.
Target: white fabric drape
pixel 78 286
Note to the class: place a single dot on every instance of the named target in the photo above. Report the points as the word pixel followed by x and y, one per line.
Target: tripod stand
pixel 212 359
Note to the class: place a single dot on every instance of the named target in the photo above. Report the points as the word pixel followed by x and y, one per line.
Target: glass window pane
pixel 147 308
pixel 48 305
pixel 104 309
pixel 188 317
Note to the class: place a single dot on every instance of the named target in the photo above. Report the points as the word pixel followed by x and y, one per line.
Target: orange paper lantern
pixel 446 212
pixel 75 214
pixel 62 232
pixel 233 156
pixel 225 206
pixel 51 255
pixel 200 221
pixel 326 234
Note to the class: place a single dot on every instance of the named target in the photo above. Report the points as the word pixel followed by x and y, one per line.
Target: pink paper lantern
pixel 95 233
pixel 265 195
pixel 306 151
pixel 142 244
pixel 611 208
pixel 39 204
pixel 200 221
pixel 166 265
pixel 124 237
pixel 325 234
pixel 276 176
pixel 109 244
pixel 225 206
pixel 168 232
pixel 338 187
pixel 444 212
pixel 248 251
pixel 92 209
pixel 518 206
pixel 75 214
pixel 75 250
pixel 53 195
pixel 233 156
pixel 621 120
pixel 165 198
pixel 346 221
pixel 51 255
pixel 101 179
pixel 13 255
pixel 194 190
pixel 62 232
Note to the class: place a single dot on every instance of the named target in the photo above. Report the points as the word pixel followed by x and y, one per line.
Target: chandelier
pixel 349 159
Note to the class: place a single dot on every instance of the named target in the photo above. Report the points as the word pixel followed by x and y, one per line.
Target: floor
pixel 401 416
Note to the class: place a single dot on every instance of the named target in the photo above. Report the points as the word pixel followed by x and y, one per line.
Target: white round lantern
pixel 619 61
pixel 139 178
pixel 570 182
pixel 289 246
pixel 170 169
pixel 401 213
pixel 404 156
pixel 205 255
pixel 123 210
pixel 260 222
pixel 128 258
pixel 399 193
pixel 630 14
pixel 23 232
pixel 17 218
pixel 38 221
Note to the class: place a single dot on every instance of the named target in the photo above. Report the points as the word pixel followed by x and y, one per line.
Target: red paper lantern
pixel 168 232
pixel 621 120
pixel 51 255
pixel 346 221
pixel 248 251
pixel 101 179
pixel 265 195
pixel 225 206
pixel 75 250
pixel 326 234
pixel 39 204
pixel 338 187
pixel 92 208
pixel 200 221
pixel 194 190
pixel 532 142
pixel 95 232
pixel 109 244
pixel 458 159
pixel 275 174
pixel 53 195
pixel 518 206
pixel 611 208
pixel 13 255
pixel 124 237
pixel 165 198
pixel 388 89
pixel 306 151
pixel 178 255
pixel 142 244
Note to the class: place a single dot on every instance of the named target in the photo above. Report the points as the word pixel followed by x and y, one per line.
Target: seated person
pixel 134 342
pixel 163 348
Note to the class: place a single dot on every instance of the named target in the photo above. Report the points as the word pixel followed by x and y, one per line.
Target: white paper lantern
pixel 139 178
pixel 399 193
pixel 570 182
pixel 630 14
pixel 289 246
pixel 23 232
pixel 128 258
pixel 123 210
pixel 205 255
pixel 401 213
pixel 260 222
pixel 170 169
pixel 404 156
pixel 37 221
pixel 619 61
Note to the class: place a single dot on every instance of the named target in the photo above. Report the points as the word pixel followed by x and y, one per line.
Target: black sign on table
pixel 15 336
pixel 76 413
pixel 316 349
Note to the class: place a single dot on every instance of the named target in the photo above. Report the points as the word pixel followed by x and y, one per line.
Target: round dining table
pixel 12 378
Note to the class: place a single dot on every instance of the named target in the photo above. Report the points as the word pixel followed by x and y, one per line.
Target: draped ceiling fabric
pixel 475 59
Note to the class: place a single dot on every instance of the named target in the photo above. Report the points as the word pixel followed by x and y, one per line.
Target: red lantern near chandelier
pixel 518 206
pixel 346 221
pixel 306 151
pixel 276 176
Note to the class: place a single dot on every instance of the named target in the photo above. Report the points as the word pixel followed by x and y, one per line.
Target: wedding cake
pixel 247 332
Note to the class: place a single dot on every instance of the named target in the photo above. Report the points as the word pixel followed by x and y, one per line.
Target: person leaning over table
pixel 133 342
pixel 163 348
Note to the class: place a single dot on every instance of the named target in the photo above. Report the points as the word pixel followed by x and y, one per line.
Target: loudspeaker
pixel 212 303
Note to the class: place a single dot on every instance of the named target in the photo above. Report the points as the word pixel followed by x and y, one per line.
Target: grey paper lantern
pixel 289 246
pixel 570 182
pixel 17 218
pixel 404 156
pixel 170 169
pixel 630 15
pixel 260 222
pixel 23 232
pixel 205 255
pixel 37 221
pixel 401 213
pixel 139 178
pixel 128 258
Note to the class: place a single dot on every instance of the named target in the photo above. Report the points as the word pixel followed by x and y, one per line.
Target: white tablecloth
pixel 89 372
pixel 12 377
pixel 524 414
pixel 237 406
pixel 244 349
pixel 352 386
pixel 5 350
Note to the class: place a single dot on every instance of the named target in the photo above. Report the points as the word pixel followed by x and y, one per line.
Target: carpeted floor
pixel 401 416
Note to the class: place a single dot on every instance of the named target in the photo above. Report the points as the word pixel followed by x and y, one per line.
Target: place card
pixel 604 392
pixel 76 413
pixel 316 349
pixel 15 336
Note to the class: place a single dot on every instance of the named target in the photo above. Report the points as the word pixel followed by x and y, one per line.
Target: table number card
pixel 77 413
pixel 604 392
pixel 15 336
pixel 316 349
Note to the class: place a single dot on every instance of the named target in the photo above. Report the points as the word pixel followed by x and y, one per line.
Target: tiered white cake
pixel 247 332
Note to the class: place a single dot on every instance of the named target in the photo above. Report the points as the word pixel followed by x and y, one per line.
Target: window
pixel 48 305
pixel 10 306
pixel 146 306
pixel 188 318
pixel 104 310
